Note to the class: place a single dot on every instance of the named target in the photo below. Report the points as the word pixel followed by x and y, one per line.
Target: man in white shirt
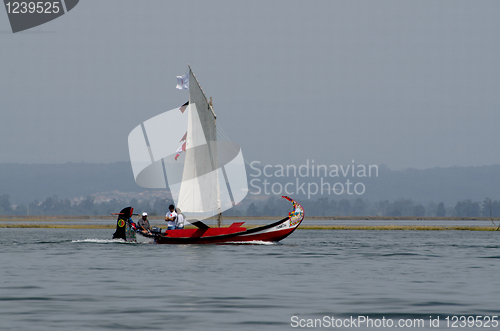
pixel 171 218
pixel 180 219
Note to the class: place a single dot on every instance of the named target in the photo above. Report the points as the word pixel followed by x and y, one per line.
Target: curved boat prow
pixel 296 216
pixel 279 230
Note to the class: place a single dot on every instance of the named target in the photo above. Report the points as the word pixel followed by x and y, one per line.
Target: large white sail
pixel 200 190
pixel 209 178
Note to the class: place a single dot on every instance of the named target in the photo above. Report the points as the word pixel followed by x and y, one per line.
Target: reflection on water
pixel 81 279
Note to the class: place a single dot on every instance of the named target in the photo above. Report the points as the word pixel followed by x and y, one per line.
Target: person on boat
pixel 179 224
pixel 143 224
pixel 171 217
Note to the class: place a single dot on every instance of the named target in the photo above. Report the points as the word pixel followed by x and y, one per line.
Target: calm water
pixel 60 279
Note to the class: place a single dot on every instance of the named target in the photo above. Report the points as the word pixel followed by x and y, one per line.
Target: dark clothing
pixel 143 224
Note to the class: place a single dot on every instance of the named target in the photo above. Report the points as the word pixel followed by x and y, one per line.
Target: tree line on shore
pixel 88 206
pixel 270 207
pixel 400 207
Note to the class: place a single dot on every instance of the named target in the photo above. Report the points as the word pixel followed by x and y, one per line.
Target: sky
pixel 409 84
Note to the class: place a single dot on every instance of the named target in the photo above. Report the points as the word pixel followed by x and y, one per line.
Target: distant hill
pixel 27 182
pixel 447 185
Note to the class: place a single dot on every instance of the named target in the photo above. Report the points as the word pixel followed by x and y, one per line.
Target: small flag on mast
pixel 179 150
pixel 183 137
pixel 182 148
pixel 183 82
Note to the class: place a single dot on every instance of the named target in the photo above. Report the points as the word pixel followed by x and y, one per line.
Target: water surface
pixel 74 279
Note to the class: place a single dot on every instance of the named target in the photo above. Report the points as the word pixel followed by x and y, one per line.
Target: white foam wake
pixel 255 242
pixel 100 241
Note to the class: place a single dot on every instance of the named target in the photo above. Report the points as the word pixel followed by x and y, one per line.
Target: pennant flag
pixel 183 137
pixel 179 150
pixel 183 82
pixel 184 106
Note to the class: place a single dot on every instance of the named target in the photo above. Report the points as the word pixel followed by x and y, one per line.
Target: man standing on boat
pixel 171 217
pixel 180 219
pixel 143 224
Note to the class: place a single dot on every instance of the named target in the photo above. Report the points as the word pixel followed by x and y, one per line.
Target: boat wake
pixel 255 242
pixel 102 241
pixel 121 241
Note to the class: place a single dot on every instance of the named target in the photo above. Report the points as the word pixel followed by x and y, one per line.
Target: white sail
pixel 199 190
pixel 209 178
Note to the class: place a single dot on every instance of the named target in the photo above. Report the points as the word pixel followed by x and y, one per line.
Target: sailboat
pixel 206 175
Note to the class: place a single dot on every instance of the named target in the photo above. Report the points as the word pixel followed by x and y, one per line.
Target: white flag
pixel 183 82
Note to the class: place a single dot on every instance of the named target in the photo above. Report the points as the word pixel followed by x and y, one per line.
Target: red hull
pixel 205 235
pixel 222 235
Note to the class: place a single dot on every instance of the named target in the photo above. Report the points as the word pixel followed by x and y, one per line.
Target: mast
pixel 219 216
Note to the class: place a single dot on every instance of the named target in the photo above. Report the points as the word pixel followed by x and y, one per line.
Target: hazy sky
pixel 402 83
